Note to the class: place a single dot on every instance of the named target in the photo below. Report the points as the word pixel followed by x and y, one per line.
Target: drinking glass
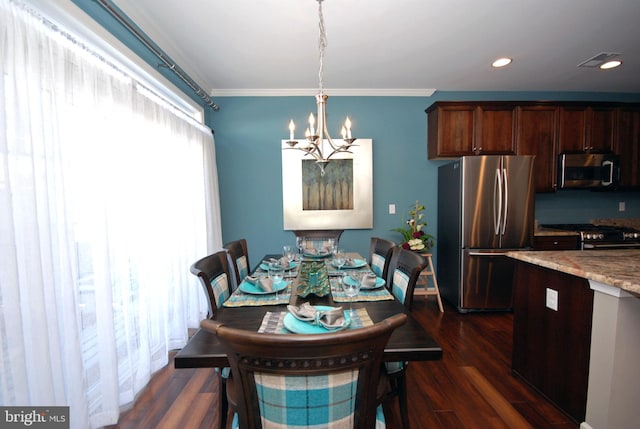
pixel 351 287
pixel 331 245
pixel 276 272
pixel 289 253
pixel 339 258
pixel 300 245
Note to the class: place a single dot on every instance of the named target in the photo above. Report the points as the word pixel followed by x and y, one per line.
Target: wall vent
pixel 599 59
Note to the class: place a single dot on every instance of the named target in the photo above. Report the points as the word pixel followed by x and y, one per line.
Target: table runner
pixel 380 294
pixel 272 322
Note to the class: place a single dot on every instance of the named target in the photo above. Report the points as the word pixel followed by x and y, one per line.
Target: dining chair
pixel 215 277
pixel 319 238
pixel 239 256
pixel 380 251
pixel 306 380
pixel 403 273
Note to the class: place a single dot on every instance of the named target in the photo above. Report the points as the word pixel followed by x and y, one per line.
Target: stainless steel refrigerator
pixel 485 209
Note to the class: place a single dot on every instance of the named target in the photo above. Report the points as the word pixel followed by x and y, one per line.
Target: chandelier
pixel 319 143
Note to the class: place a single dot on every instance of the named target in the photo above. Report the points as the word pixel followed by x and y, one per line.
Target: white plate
pixel 252 289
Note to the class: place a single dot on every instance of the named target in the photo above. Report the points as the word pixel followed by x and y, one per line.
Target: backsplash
pixel 583 206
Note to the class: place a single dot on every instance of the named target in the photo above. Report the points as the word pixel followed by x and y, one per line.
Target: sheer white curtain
pixel 107 195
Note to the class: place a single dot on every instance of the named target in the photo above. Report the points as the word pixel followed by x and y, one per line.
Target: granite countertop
pixel 618 268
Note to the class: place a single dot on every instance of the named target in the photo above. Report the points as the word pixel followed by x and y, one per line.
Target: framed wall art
pixel 342 198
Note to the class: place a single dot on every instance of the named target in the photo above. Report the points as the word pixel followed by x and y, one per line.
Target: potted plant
pixel 414 238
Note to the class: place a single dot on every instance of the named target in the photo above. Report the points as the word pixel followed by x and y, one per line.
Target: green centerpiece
pixel 313 279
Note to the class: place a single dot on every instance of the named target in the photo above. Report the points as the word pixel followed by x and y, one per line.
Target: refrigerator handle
pixel 506 200
pixel 497 202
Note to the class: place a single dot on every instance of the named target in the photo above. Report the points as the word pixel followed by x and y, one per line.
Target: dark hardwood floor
pixel 471 387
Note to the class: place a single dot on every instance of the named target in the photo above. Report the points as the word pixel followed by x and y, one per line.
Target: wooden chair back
pixel 404 270
pixel 294 380
pixel 239 256
pixel 319 238
pixel 215 278
pixel 380 251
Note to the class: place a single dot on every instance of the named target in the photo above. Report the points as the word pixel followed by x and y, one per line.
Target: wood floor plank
pixel 182 406
pixel 504 409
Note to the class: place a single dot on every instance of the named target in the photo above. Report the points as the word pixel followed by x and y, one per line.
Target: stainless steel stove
pixel 602 236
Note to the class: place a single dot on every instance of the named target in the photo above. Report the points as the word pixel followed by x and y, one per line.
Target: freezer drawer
pixel 487 281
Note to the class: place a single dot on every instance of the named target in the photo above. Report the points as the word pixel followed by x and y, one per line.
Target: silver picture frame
pixel 341 199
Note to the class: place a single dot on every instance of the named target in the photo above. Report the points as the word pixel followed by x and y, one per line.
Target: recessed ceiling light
pixel 501 62
pixel 610 64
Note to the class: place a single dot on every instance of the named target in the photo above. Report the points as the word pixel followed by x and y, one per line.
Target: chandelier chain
pixel 322 44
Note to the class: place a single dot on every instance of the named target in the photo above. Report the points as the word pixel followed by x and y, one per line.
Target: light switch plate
pixel 392 209
pixel 552 299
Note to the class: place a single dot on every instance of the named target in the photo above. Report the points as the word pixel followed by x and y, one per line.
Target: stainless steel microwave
pixel 588 170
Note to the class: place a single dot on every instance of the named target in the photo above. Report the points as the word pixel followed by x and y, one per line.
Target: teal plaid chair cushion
pixel 243 271
pixel 220 286
pixel 307 401
pixel 322 401
pixel 399 286
pixel 377 264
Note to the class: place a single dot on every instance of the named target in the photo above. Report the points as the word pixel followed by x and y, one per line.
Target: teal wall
pixel 248 132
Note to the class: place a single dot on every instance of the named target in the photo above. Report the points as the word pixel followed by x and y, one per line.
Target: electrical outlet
pixel 622 206
pixel 392 209
pixel 552 299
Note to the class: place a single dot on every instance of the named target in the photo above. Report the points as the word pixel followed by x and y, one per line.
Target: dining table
pixel 266 312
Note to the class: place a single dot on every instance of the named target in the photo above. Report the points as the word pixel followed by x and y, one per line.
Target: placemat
pixel 380 294
pixel 241 299
pixel 273 320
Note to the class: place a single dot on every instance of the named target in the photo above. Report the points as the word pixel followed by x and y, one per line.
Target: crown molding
pixel 337 92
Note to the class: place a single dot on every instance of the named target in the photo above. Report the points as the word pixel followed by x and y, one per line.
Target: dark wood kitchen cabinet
pixel 551 348
pixel 541 128
pixel 469 128
pixel 536 127
pixel 556 242
pixel 451 130
pixel 586 129
pixel 627 145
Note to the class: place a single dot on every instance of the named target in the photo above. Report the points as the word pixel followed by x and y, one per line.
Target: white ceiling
pixel 410 47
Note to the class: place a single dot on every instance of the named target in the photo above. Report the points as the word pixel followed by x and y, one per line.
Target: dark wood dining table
pixel 409 342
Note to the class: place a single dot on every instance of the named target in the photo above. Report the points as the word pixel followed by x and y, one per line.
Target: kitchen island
pixel 613 341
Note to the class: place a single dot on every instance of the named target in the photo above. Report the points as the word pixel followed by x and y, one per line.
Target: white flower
pixel 415 244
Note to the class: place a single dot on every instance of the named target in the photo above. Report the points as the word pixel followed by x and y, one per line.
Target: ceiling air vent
pixel 599 59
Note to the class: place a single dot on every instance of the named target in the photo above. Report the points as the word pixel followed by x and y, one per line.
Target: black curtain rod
pixel 166 60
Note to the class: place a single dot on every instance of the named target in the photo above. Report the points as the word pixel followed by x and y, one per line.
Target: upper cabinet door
pixel 586 129
pixel 451 130
pixel 460 129
pixel 601 128
pixel 536 135
pixel 573 129
pixel 495 130
pixel 627 145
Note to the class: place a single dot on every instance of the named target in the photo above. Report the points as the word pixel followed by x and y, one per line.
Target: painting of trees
pixel 331 191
